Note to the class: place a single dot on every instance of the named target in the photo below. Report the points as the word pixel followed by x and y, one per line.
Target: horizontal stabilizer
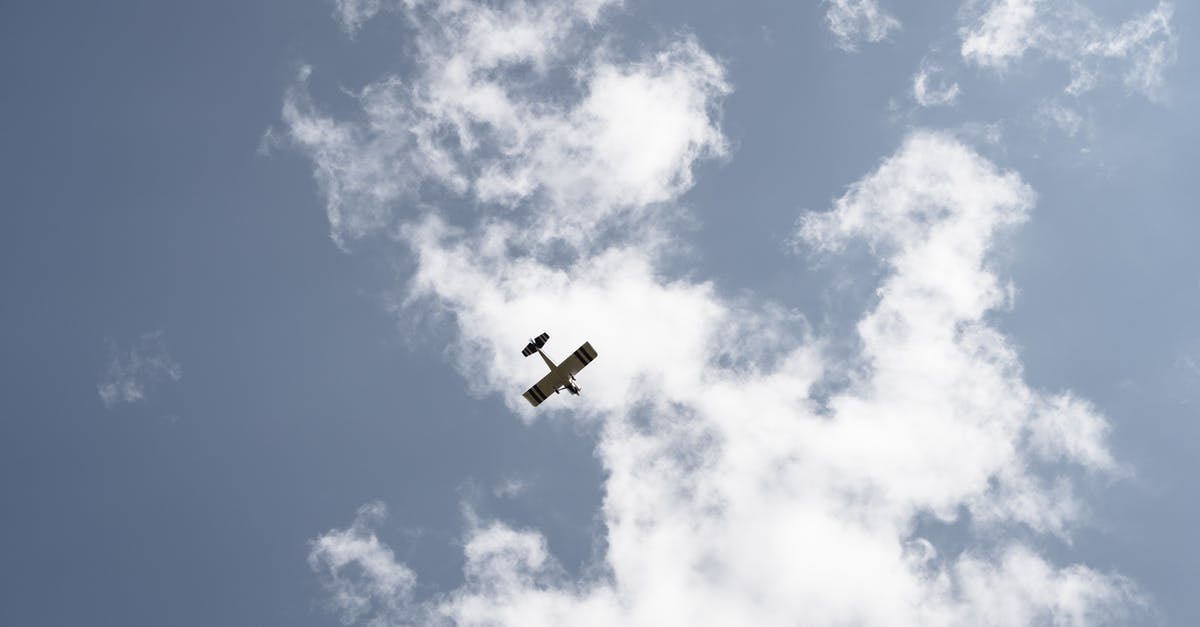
pixel 537 343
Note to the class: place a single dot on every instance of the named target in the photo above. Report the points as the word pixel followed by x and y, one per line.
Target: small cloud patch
pixel 855 21
pixel 132 372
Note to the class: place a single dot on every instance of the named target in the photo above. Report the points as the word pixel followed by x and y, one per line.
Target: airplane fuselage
pixel 561 376
pixel 570 385
pixel 549 362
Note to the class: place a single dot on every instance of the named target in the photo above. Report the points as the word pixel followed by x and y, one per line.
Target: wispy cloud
pixel 510 487
pixel 352 14
pixel 853 22
pixel 131 373
pixel 1053 113
pixel 998 33
pixel 929 92
pixel 734 494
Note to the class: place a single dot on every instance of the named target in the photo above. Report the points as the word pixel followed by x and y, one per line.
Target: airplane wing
pixel 549 383
pixel 580 358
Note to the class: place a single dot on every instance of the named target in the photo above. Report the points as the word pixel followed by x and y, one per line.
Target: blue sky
pixel 895 308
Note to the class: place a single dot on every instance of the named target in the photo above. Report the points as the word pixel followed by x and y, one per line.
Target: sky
pixel 894 304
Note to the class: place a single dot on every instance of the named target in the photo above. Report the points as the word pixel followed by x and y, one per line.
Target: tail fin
pixel 535 344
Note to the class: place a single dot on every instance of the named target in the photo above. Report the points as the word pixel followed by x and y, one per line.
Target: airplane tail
pixel 535 344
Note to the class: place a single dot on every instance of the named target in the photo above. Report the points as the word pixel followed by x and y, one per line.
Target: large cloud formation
pixel 735 493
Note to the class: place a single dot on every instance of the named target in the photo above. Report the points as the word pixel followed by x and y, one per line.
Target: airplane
pixel 562 376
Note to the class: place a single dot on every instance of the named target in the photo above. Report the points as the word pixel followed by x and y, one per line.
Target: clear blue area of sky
pixel 135 200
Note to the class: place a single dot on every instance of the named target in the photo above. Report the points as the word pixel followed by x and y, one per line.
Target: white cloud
pixel 1066 427
pixel 734 493
pixel 1052 113
pixel 484 117
pixel 999 33
pixel 509 488
pixel 1018 588
pixel 855 21
pixel 929 95
pixel 352 14
pixel 361 574
pixel 131 373
pixel 731 498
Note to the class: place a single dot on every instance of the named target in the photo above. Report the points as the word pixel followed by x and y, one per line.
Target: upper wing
pixel 580 358
pixel 547 386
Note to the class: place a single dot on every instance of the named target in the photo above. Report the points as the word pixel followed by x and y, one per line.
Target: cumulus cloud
pixel 361 574
pixel 130 373
pixel 483 116
pixel 1004 31
pixel 999 33
pixel 732 496
pixel 741 486
pixel 856 21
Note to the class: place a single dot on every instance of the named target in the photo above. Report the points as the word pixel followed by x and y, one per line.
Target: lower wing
pixel 544 388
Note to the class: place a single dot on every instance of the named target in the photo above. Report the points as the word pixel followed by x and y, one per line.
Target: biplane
pixel 562 376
